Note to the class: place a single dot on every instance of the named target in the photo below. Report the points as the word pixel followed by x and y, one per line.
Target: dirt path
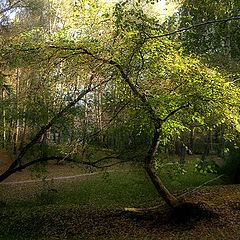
pixel 27 183
pixel 71 177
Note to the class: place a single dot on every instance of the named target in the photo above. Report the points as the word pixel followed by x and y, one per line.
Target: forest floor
pixel 73 221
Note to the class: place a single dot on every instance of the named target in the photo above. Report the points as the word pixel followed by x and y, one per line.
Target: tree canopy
pixel 115 76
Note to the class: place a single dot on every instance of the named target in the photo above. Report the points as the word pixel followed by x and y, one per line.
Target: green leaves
pixel 206 167
pixel 175 86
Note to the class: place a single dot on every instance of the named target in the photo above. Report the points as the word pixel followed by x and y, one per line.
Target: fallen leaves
pixel 73 222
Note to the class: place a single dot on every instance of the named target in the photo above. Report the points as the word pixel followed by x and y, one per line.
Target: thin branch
pixel 200 186
pixel 9 7
pixel 114 164
pixel 45 159
pixel 11 171
pixel 135 50
pixel 174 111
pixel 195 26
pixel 119 111
pixel 109 122
pixel 106 158
pixel 137 93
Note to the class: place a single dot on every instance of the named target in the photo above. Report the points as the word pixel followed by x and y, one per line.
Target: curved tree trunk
pixel 149 161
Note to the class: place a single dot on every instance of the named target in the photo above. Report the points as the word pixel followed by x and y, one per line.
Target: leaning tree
pixel 173 89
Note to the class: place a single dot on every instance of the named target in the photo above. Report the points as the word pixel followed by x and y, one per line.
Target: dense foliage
pixel 90 75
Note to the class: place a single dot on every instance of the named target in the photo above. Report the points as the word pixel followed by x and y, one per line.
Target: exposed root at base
pixel 183 213
pixel 142 210
pixel 190 211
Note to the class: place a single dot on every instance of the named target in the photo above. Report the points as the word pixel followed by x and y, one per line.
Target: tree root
pixel 191 211
pixel 142 210
pixel 185 212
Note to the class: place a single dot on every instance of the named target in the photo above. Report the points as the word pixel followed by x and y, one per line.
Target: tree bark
pixel 206 147
pixel 11 171
pixel 157 121
pixel 149 161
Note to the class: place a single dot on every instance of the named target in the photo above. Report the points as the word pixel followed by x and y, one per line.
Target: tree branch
pixel 195 26
pixel 137 93
pixel 50 124
pixel 11 171
pixel 14 4
pixel 174 111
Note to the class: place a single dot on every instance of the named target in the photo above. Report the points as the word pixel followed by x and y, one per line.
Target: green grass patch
pixel 116 190
pixel 55 206
pixel 112 190
pixel 179 177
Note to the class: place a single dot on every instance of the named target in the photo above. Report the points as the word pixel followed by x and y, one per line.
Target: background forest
pixel 97 75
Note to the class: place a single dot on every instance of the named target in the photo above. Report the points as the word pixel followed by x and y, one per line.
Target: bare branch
pixel 45 159
pixel 106 158
pixel 137 93
pixel 50 124
pixel 11 171
pixel 195 26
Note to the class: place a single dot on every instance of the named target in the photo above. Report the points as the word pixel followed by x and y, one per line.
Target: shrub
pixel 205 167
pixel 232 165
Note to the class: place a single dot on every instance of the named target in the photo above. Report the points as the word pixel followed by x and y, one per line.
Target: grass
pixel 116 190
pixel 112 191
pixel 131 189
pixel 108 190
pixel 181 177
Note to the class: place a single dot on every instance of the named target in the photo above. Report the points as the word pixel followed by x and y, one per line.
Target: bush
pixel 232 166
pixel 205 167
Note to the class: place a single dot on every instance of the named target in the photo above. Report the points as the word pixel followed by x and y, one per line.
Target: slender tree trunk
pixel 4 129
pixel 17 162
pixel 222 141
pixel 150 157
pixel 206 147
pixel 16 133
pixel 4 120
pixel 23 133
pixel 191 141
pixel 149 167
pixel 180 150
